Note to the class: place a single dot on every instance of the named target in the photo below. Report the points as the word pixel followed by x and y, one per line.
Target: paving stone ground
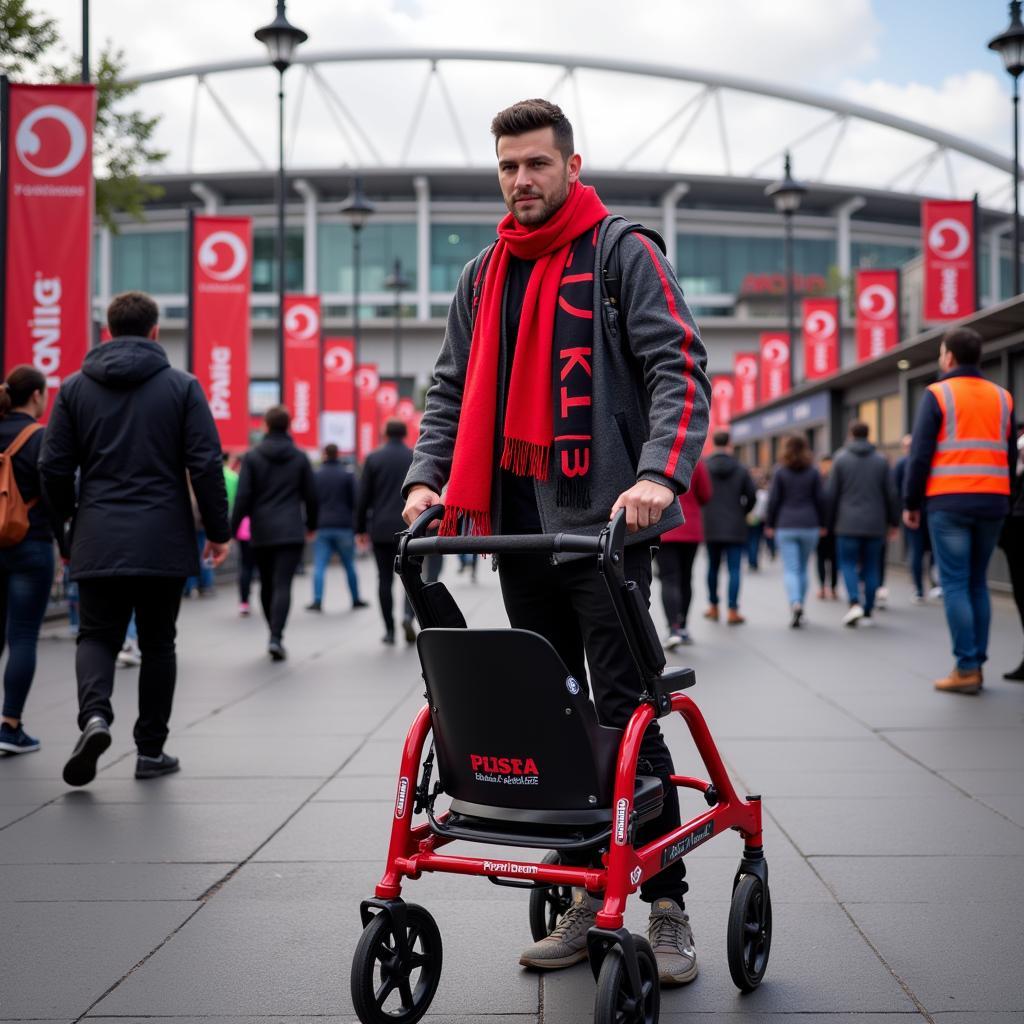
pixel 229 893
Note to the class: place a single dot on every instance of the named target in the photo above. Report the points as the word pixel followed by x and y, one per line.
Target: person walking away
pixel 276 490
pixel 201 584
pixel 755 519
pixel 795 518
pixel 246 565
pixel 676 555
pixel 336 498
pixel 915 541
pixel 827 564
pixel 26 548
pixel 725 523
pixel 964 446
pixel 862 507
pixel 1012 542
pixel 379 518
pixel 136 431
pixel 530 435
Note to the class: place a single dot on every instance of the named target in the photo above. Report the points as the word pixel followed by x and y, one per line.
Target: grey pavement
pixel 229 892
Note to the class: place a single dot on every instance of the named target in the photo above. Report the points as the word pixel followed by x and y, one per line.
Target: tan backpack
pixel 13 509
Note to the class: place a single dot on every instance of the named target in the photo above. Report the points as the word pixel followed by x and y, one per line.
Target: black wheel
pixel 750 932
pixel 548 903
pixel 615 1003
pixel 383 988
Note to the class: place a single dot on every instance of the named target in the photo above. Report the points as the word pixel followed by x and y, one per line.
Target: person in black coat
pixel 380 505
pixel 1012 542
pixel 277 492
pixel 137 431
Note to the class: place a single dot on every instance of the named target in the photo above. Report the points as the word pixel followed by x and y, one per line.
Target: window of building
pixel 874 254
pixel 452 246
pixel 381 243
pixel 264 260
pixel 890 431
pixel 150 261
pixel 868 412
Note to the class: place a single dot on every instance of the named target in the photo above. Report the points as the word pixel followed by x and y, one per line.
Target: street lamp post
pixel 786 194
pixel 357 210
pixel 281 38
pixel 398 284
pixel 1010 46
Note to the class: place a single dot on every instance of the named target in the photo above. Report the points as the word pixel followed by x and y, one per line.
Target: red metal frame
pixel 413 849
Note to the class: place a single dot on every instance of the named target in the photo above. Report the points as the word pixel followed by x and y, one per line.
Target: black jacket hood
pixel 125 362
pixel 721 464
pixel 860 447
pixel 277 446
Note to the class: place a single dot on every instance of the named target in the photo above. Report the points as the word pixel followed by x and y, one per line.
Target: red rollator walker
pixel 518 750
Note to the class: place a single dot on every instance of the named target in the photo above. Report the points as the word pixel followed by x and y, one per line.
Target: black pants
pixel 828 567
pixel 1012 542
pixel 277 564
pixel 675 568
pixel 105 606
pixel 385 553
pixel 569 605
pixel 246 566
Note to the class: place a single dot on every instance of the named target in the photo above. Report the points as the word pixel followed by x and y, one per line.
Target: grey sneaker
pixel 567 943
pixel 672 941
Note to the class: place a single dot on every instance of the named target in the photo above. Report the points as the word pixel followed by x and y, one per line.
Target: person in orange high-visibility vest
pixel 959 468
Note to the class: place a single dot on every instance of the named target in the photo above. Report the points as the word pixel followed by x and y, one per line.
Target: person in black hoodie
pixel 277 491
pixel 137 431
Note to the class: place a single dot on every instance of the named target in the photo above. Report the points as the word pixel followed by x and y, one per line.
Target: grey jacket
pixel 861 497
pixel 650 393
pixel 732 497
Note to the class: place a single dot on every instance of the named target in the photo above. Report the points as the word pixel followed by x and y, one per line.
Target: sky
pixel 923 59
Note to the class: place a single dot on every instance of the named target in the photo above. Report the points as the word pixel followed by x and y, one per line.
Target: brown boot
pixel 712 613
pixel 735 619
pixel 960 681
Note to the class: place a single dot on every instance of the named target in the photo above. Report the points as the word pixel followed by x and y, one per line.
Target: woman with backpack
pixel 26 547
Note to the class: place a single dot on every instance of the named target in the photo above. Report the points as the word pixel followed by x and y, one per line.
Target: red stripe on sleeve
pixel 670 302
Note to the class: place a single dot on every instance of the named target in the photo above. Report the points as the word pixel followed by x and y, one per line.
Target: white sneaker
pixel 935 593
pixel 882 598
pixel 853 616
pixel 866 622
pixel 130 656
pixel 918 599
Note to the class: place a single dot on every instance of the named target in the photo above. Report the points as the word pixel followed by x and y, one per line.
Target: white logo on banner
pixel 939 232
pixel 367 380
pixel 302 322
pixel 209 257
pixel 28 143
pixel 776 351
pixel 746 369
pixel 877 302
pixel 820 324
pixel 387 398
pixel 723 389
pixel 339 360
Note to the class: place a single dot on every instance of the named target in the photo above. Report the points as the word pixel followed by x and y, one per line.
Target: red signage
pixel 776 378
pixel 221 282
pixel 302 367
pixel 950 258
pixel 723 393
pixel 775 284
pixel 745 367
pixel 878 312
pixel 387 399
pixel 821 337
pixel 406 412
pixel 367 382
pixel 338 421
pixel 47 156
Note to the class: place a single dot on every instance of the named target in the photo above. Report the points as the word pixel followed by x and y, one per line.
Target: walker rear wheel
pixel 750 932
pixel 548 903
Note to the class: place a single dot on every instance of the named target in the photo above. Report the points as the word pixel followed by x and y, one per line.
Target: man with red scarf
pixel 556 402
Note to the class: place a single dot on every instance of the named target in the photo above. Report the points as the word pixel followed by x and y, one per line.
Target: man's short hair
pixel 277 417
pixel 720 438
pixel 530 115
pixel 859 430
pixel 132 314
pixel 395 429
pixel 330 452
pixel 965 345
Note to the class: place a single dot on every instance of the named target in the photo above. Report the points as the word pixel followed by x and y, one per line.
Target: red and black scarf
pixel 550 393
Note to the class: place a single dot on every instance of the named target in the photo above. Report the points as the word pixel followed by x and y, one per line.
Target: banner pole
pixel 5 113
pixel 190 333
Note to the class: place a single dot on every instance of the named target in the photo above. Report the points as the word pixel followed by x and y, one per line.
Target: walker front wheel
pixel 616 1003
pixel 750 932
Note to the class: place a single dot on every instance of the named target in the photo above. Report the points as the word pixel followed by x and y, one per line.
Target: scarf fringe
pixel 475 524
pixel 572 494
pixel 526 458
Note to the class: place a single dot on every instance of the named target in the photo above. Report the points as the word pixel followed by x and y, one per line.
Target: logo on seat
pixel 511 771
pixel 572 685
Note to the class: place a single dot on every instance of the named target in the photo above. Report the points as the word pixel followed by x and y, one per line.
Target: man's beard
pixel 538 214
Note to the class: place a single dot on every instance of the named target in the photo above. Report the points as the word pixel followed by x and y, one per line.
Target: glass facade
pixel 150 261
pixel 380 245
pixel 452 246
pixel 873 254
pixel 264 261
pixel 1005 273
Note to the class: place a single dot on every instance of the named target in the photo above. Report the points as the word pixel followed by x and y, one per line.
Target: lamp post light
pixel 357 210
pixel 1010 46
pixel 786 194
pixel 281 38
pixel 398 284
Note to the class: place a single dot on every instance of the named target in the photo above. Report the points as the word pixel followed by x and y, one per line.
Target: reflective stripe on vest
pixel 971 449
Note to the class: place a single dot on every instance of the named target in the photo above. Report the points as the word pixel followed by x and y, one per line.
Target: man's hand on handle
pixel 644 503
pixel 214 553
pixel 419 499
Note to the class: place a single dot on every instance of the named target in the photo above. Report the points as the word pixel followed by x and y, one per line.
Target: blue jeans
pixel 204 581
pixel 962 546
pixel 754 535
pixel 334 540
pixel 26 576
pixel 734 560
pixel 914 540
pixel 796 546
pixel 860 561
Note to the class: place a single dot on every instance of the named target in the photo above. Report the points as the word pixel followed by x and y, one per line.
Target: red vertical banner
pixel 387 399
pixel 776 374
pixel 367 382
pixel 745 367
pixel 878 312
pixel 48 200
pixel 338 420
pixel 221 274
pixel 105 334
pixel 821 337
pixel 723 393
pixel 950 247
pixel 302 367
pixel 406 412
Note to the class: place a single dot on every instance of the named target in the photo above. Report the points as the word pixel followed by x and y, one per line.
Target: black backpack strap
pixel 479 273
pixel 611 268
